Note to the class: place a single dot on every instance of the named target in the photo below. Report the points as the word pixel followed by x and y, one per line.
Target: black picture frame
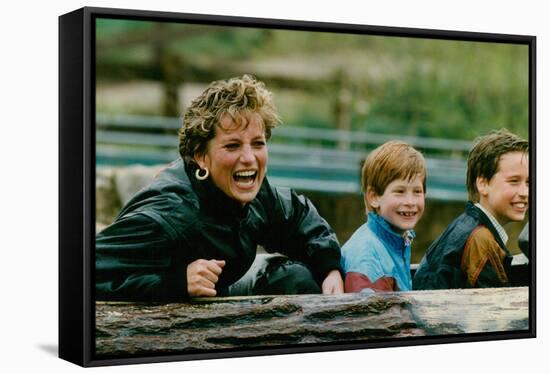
pixel 77 173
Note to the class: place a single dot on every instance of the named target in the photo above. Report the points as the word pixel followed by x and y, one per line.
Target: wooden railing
pixel 211 324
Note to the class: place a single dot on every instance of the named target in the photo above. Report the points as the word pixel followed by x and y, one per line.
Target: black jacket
pixel 143 255
pixel 441 266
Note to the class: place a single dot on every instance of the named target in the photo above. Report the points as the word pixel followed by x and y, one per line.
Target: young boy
pixel 377 257
pixel 472 252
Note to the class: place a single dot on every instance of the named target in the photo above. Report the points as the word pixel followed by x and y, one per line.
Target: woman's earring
pixel 202 177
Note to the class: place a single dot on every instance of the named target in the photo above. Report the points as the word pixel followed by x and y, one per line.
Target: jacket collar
pixel 479 215
pixel 383 229
pixel 213 201
pixel 498 227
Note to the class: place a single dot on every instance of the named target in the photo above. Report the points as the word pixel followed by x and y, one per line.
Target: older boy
pixel 377 257
pixel 472 251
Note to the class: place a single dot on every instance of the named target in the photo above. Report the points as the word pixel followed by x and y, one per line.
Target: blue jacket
pixel 377 258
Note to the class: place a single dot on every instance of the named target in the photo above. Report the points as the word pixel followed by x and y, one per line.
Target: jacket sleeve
pixel 302 234
pixel 357 282
pixel 135 261
pixel 483 260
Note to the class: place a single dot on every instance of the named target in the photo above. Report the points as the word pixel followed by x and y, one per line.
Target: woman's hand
pixel 333 283
pixel 202 276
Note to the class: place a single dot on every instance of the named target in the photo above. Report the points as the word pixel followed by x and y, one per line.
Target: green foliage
pixel 108 28
pixel 234 43
pixel 453 90
pixel 411 86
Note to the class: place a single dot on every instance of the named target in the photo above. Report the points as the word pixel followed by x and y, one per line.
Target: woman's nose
pixel 247 155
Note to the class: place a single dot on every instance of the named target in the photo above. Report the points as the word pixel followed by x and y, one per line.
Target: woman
pixel 195 229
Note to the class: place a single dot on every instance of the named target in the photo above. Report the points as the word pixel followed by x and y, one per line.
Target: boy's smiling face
pixel 401 204
pixel 506 194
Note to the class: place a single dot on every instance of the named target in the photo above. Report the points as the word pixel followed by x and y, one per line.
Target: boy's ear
pixel 482 185
pixel 372 198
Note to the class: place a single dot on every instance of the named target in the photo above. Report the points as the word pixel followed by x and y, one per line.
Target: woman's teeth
pixel 245 176
pixel 245 173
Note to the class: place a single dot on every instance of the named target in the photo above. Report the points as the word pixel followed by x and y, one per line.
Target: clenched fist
pixel 202 276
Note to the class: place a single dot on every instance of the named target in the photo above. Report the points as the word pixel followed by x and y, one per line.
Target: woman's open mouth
pixel 245 178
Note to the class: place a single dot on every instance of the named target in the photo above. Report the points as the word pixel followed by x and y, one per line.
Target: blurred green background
pixel 400 86
pixel 420 87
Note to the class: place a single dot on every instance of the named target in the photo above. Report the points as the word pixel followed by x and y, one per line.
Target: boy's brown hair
pixel 485 156
pixel 390 161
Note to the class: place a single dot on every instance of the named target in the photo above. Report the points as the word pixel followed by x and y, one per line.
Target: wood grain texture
pixel 268 321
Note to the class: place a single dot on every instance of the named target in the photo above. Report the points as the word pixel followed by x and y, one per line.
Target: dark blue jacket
pixel 442 265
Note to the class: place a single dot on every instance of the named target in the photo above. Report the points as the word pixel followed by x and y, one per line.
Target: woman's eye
pixel 232 146
pixel 259 143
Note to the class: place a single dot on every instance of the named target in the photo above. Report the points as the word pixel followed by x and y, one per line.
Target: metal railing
pixel 315 159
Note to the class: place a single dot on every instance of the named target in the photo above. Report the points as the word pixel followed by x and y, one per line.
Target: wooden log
pixel 268 321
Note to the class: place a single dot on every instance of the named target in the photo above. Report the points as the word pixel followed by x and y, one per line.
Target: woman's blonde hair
pixel 238 98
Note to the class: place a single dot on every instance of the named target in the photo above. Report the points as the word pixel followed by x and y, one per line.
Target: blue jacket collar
pixel 385 232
